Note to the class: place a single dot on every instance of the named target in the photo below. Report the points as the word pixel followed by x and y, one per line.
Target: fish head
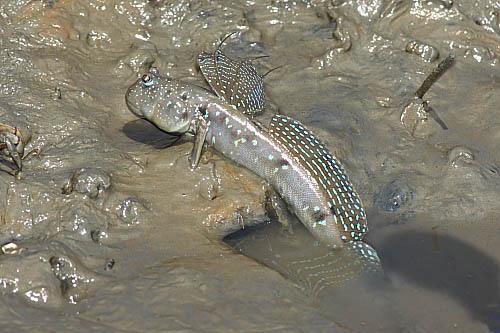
pixel 167 103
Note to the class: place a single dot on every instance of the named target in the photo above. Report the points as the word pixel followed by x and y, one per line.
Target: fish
pixel 288 156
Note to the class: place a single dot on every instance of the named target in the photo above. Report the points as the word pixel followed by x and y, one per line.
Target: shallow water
pixel 113 231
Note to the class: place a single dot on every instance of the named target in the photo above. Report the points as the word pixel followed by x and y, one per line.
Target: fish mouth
pixel 134 108
pixel 129 97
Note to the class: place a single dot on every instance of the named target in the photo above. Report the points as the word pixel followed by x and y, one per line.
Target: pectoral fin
pixel 199 140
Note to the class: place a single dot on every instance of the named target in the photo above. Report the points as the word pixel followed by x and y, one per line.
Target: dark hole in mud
pixel 109 264
pixel 143 131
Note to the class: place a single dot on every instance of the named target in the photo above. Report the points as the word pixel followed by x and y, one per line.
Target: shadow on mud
pixel 143 131
pixel 447 265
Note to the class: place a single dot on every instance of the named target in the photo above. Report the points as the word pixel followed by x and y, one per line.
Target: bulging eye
pixel 147 80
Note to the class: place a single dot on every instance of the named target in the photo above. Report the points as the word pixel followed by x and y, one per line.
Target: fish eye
pixel 147 80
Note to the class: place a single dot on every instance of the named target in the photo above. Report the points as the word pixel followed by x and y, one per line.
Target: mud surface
pixel 107 231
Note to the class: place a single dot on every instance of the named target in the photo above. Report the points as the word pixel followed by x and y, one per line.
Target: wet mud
pixel 107 228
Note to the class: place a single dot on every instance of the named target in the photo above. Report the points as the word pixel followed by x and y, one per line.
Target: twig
pixel 435 75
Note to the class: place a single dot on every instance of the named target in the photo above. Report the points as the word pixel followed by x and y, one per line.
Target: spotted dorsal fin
pixel 330 175
pixel 236 82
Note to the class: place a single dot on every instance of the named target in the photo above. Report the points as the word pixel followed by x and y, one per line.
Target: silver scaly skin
pixel 288 156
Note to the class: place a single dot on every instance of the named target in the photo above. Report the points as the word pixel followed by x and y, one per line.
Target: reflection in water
pixel 343 280
pixel 447 265
pixel 299 258
pixel 334 268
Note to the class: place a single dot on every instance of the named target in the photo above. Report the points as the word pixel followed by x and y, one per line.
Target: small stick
pixel 435 240
pixel 435 75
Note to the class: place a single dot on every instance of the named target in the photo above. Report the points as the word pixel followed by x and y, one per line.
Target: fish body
pixel 285 154
pixel 252 146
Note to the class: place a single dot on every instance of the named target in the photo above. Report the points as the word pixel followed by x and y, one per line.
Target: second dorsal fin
pixel 236 82
pixel 330 175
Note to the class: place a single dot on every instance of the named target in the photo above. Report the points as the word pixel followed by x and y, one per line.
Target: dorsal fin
pixel 236 82
pixel 207 66
pixel 330 175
